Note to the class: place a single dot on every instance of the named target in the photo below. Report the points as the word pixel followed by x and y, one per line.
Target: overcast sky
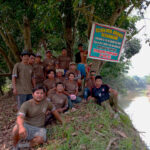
pixel 141 61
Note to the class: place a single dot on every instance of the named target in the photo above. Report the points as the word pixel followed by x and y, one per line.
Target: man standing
pixel 49 61
pixel 38 70
pixel 64 60
pixel 81 60
pixel 22 79
pixel 30 122
pixel 32 59
pixel 78 55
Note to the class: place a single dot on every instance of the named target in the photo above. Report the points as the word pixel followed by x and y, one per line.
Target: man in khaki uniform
pixel 59 75
pixel 71 89
pixel 38 69
pixel 73 68
pixel 22 79
pixel 32 59
pixel 64 60
pixel 49 61
pixel 59 99
pixel 31 120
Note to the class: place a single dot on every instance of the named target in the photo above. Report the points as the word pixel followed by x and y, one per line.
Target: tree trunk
pixel 27 34
pixel 8 62
pixel 10 42
pixel 69 27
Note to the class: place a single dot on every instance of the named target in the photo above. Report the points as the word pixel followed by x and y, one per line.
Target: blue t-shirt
pixel 101 94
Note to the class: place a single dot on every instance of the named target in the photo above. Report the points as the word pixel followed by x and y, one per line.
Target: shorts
pixel 21 98
pixel 33 131
pixel 81 68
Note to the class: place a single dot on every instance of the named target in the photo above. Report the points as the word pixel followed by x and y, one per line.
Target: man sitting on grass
pixel 31 120
pixel 71 90
pixel 104 95
pixel 59 100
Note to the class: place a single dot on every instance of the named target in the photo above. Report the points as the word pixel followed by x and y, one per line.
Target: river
pixel 137 106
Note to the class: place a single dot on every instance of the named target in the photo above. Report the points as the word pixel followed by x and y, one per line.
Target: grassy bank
pixel 92 128
pixel 88 128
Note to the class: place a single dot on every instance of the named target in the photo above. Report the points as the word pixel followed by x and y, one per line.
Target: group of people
pixel 45 89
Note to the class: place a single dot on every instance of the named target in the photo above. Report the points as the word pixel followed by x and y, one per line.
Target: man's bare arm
pixel 22 130
pixel 57 116
pixel 14 85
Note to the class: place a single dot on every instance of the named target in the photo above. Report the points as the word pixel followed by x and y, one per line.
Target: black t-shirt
pixel 101 94
pixel 78 57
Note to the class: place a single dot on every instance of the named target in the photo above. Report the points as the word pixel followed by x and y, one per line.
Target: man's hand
pixel 60 110
pixel 57 116
pixel 15 91
pixel 22 132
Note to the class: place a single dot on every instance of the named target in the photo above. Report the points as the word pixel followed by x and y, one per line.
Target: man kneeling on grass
pixel 31 120
pixel 104 95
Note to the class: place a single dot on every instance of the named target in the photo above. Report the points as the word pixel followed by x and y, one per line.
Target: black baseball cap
pixel 25 53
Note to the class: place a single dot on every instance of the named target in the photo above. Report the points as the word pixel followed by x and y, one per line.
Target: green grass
pixel 92 128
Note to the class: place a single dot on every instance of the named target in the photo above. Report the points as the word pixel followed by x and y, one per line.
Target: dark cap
pixel 25 53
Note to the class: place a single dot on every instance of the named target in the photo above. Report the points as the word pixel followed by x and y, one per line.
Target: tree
pixel 39 25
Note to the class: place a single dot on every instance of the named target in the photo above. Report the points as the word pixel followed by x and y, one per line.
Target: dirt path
pixel 8 110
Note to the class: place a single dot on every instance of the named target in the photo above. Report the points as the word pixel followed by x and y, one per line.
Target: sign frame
pixel 90 47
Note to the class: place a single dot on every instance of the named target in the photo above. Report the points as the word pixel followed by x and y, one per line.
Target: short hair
pixel 64 48
pixel 98 77
pixel 71 73
pixel 58 83
pixel 92 71
pixel 38 88
pixel 25 53
pixel 80 44
pixel 51 70
pixel 32 54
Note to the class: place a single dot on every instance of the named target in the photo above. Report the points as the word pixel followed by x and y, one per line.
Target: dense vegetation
pixel 40 25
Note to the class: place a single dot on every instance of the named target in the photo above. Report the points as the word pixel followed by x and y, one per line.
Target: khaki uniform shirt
pixel 71 87
pixel 38 70
pixel 23 74
pixel 49 63
pixel 59 100
pixel 35 113
pixel 63 62
pixel 76 72
pixel 49 84
pixel 62 79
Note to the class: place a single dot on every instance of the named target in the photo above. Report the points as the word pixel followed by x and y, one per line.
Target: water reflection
pixel 138 108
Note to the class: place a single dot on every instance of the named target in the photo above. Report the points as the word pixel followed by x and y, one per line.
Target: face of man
pixel 71 77
pixel 80 48
pixel 59 88
pixel 25 58
pixel 93 74
pixel 38 60
pixel 64 52
pixel 51 75
pixel 38 95
pixel 98 82
pixel 48 54
pixel 59 74
pixel 73 67
pixel 31 60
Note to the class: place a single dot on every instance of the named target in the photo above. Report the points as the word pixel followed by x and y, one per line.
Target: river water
pixel 137 106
